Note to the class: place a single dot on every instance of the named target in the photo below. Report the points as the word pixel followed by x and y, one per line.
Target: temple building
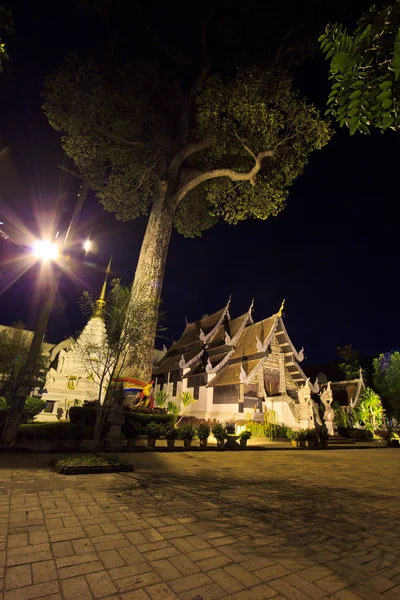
pixel 236 366
pixel 74 378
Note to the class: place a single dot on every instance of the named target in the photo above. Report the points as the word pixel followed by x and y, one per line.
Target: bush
pixel 154 430
pixel 276 431
pixel 83 414
pixel 292 435
pixel 258 430
pixel 219 431
pixel 3 403
pixel 54 431
pixel 311 435
pixel 32 407
pixel 145 418
pixel 203 431
pixel 186 432
pixel 356 434
pixel 171 433
pixel 302 435
pixel 245 435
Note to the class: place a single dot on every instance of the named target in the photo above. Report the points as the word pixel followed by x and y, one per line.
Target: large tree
pixel 365 70
pixel 185 149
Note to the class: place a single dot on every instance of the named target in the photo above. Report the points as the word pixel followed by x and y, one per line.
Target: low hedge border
pixel 356 434
pixel 87 416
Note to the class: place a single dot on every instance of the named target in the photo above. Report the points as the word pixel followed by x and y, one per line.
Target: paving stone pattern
pixel 204 526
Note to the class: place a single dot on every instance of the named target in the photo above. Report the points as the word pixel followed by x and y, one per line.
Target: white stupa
pixel 80 366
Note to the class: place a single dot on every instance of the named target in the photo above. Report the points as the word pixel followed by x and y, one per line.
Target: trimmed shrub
pixel 32 407
pixel 143 419
pixel 356 434
pixel 83 414
pixel 186 432
pixel 54 431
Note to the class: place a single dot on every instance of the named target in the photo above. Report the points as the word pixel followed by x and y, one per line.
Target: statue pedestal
pixel 330 428
pixel 116 418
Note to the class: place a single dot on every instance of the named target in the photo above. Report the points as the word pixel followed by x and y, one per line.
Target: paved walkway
pixel 203 526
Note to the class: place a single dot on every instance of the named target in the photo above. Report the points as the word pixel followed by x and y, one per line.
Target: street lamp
pixel 87 245
pixel 45 250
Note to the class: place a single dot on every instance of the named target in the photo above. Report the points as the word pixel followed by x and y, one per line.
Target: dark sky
pixel 333 253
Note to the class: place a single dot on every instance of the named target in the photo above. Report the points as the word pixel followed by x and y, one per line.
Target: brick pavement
pixel 204 526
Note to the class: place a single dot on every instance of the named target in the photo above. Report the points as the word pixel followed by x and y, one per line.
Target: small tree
pixel 369 411
pixel 386 378
pixel 107 357
pixel 365 70
pixel 350 365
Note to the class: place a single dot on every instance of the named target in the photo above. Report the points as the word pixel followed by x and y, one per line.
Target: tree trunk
pixel 147 285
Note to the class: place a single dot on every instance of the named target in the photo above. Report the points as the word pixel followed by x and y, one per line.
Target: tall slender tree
pixel 153 138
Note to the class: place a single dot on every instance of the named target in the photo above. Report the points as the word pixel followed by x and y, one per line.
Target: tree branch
pixel 187 151
pixel 279 54
pixel 230 173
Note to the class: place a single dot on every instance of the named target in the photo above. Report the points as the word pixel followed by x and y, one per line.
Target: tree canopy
pixel 7 26
pixel 365 70
pixel 120 130
pixel 386 377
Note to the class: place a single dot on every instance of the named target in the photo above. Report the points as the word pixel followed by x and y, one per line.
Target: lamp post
pixel 46 251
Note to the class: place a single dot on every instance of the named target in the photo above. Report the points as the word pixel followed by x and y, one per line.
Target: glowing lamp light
pixel 45 250
pixel 87 245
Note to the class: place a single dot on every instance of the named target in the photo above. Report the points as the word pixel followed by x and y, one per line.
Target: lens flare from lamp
pixel 87 245
pixel 45 250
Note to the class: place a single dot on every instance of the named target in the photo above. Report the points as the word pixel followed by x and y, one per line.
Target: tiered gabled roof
pixel 232 349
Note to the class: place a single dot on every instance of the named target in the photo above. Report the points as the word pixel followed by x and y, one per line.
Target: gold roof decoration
pixel 101 300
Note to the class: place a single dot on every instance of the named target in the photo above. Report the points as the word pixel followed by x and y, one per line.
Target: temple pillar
pixel 282 374
pixel 241 398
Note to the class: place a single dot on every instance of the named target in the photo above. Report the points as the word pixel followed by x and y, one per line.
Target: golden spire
pixel 280 311
pixel 101 300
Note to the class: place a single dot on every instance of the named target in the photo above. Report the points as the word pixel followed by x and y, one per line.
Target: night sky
pixel 333 253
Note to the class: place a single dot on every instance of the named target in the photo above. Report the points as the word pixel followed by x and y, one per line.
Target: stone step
pixel 339 440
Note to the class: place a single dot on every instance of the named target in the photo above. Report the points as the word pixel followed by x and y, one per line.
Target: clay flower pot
pixel 187 443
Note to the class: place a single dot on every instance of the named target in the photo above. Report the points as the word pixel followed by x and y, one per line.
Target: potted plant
pixel 293 436
pixel 171 434
pixel 203 432
pixel 323 437
pixel 302 437
pixel 187 433
pixel 230 427
pixel 153 431
pixel 311 438
pixel 131 430
pixel 244 436
pixel 219 432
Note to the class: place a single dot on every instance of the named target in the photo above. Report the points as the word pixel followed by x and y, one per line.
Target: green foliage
pixel 257 430
pixel 311 435
pixel 171 433
pixel 54 431
pixel 161 398
pixel 121 137
pixel 261 110
pixel 219 431
pixel 342 417
pixel 89 460
pixel 3 403
pixel 154 430
pixel 186 398
pixel 14 348
pixel 350 365
pixel 369 410
pixel 365 70
pixel 203 431
pixel 302 435
pixel 291 434
pixel 172 408
pixel 6 25
pixel 357 434
pixel 245 435
pixel 83 414
pixel 186 432
pixel 386 378
pixel 32 407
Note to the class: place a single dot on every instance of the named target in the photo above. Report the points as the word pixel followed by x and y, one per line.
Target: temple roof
pixel 231 373
pixel 247 344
